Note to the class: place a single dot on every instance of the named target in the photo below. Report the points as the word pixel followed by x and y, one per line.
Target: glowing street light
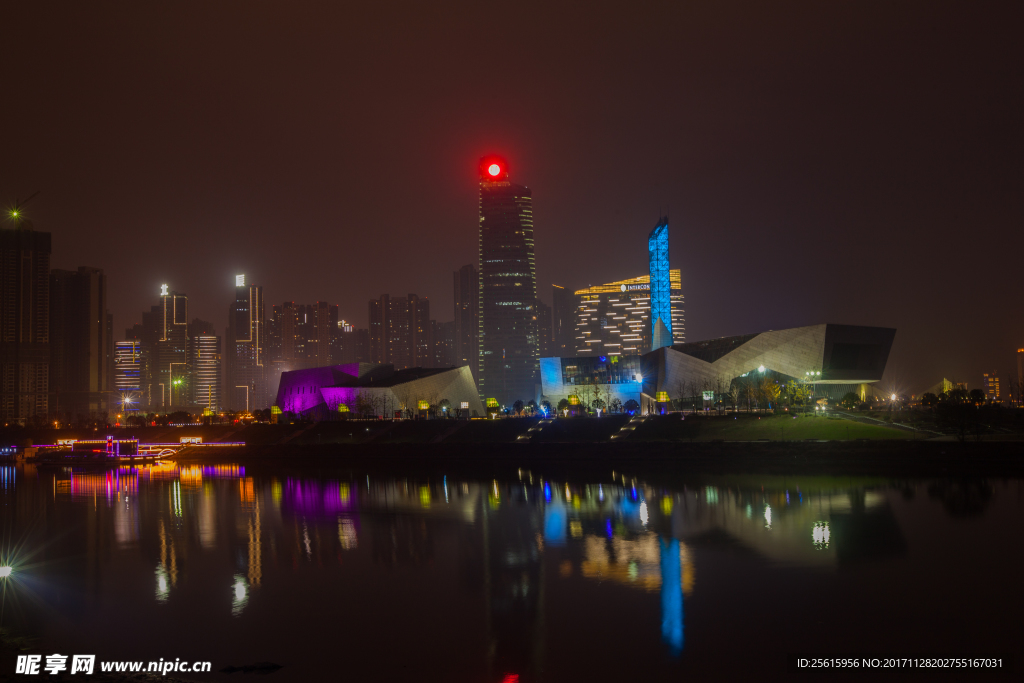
pixel 6 571
pixel 893 397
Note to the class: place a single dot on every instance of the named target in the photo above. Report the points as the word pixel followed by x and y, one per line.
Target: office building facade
pixel 130 367
pixel 563 321
pixel 614 319
pixel 400 331
pixel 508 361
pixel 205 360
pixel 24 324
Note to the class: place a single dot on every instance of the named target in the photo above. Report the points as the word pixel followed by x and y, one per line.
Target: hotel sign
pixel 635 288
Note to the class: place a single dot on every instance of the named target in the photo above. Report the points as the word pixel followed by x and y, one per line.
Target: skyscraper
pixel 24 323
pixel 246 382
pixel 508 287
pixel 164 340
pixel 661 288
pixel 79 344
pixel 990 385
pixel 467 313
pixel 129 370
pixel 545 332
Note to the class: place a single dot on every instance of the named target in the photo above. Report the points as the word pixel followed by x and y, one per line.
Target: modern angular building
pixel 24 323
pixel 164 337
pixel 508 287
pixel 832 359
pixel 371 389
pixel 246 386
pixel 614 319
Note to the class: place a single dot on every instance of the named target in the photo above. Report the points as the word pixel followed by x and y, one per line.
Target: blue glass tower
pixel 661 287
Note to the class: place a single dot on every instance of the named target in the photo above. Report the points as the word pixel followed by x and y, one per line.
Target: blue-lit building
pixel 661 286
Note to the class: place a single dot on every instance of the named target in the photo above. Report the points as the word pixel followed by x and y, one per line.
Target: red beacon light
pixel 493 168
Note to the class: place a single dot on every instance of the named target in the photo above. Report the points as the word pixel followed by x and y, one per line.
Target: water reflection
pixel 507 556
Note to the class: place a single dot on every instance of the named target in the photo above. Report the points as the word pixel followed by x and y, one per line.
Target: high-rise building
pixel 129 371
pixel 467 318
pixel 164 337
pixel 990 385
pixel 325 331
pixel 614 319
pixel 1020 369
pixel 205 359
pixel 444 345
pixel 80 344
pixel 508 287
pixel 246 387
pixel 355 344
pixel 24 323
pixel 563 322
pixel 400 332
pixel 660 286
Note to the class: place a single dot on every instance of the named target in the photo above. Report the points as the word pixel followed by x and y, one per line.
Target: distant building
pixel 1020 369
pixel 990 385
pixel 164 333
pixel 467 318
pixel 400 332
pixel 129 370
pixel 614 319
pixel 563 321
pixel 355 344
pixel 508 287
pixel 80 344
pixel 444 345
pixel 246 385
pixel 205 359
pixel 24 324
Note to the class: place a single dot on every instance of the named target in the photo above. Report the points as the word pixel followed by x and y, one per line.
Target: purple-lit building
pixel 376 390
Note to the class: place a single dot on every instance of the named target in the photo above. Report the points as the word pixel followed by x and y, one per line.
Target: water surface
pixel 446 578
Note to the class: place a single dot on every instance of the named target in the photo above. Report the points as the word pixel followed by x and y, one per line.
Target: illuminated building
pixel 24 322
pixel 1020 369
pixel 990 385
pixel 246 387
pixel 204 352
pixel 80 344
pixel 164 337
pixel 508 287
pixel 613 319
pixel 832 359
pixel 545 335
pixel 660 286
pixel 129 369
pixel 443 336
pixel 467 318
pixel 372 389
pixel 400 331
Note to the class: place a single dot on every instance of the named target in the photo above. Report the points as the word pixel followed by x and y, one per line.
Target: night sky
pixel 848 162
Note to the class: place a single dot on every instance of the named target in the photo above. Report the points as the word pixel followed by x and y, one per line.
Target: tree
pixel 977 397
pixel 615 406
pixel 563 405
pixel 631 406
pixel 929 399
pixel 517 407
pixel 770 389
pixel 850 400
pixel 546 407
pixel 597 404
pixel 445 406
pixel 531 406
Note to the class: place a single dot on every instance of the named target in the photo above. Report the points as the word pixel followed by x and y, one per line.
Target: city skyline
pixel 843 180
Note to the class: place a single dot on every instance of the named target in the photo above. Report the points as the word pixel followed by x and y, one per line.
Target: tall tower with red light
pixel 508 363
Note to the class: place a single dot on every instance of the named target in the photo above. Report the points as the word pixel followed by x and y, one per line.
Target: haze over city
pixel 857 163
